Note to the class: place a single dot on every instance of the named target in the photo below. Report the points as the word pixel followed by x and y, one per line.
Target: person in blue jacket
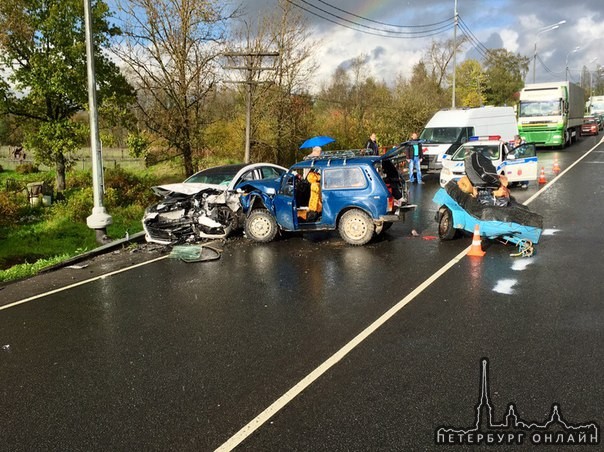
pixel 415 157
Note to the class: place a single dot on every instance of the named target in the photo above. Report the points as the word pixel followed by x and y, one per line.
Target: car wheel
pixel 260 226
pixel 446 231
pixel 356 227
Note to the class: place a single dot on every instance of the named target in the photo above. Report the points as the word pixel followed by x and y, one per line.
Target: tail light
pixel 390 203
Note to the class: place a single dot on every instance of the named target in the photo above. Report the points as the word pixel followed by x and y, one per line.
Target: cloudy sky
pixel 515 25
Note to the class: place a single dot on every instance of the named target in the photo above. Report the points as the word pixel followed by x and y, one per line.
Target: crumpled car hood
pixel 189 212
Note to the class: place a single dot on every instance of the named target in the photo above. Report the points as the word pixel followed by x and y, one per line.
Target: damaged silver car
pixel 205 206
pixel 190 212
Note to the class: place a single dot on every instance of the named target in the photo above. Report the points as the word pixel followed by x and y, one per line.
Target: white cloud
pixel 510 40
pixel 386 58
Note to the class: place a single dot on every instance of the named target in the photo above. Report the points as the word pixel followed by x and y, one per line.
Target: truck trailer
pixel 551 114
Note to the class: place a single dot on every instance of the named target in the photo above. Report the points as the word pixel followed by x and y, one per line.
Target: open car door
pixel 520 164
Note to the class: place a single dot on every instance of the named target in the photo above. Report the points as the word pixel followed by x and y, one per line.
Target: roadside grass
pixel 36 237
pixel 27 270
pixel 28 248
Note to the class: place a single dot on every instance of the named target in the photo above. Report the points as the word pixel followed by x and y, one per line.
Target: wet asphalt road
pixel 175 356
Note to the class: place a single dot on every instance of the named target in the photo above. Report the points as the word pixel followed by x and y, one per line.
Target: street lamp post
pixel 591 77
pixel 543 30
pixel 567 55
pixel 99 219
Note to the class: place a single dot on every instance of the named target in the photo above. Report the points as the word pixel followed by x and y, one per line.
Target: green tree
pixel 470 84
pixel 414 101
pixel 505 75
pixel 43 77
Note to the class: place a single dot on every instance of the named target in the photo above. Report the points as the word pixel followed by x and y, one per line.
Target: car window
pixel 268 172
pixel 523 151
pixel 218 179
pixel 335 178
pixel 217 176
pixel 249 175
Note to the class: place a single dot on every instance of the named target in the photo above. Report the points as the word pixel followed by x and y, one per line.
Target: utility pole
pixel 99 219
pixel 251 68
pixel 454 53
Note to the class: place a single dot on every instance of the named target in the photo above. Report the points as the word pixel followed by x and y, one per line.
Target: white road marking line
pixel 259 420
pixel 555 179
pixel 86 281
pixel 282 401
pixel 549 231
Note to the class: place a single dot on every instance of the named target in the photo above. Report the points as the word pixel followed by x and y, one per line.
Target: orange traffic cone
pixel 476 248
pixel 556 168
pixel 542 177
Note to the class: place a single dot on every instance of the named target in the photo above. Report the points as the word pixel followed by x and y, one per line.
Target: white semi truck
pixel 551 114
pixel 595 106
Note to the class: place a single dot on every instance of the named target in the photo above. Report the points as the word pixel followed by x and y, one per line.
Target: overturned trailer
pixel 497 217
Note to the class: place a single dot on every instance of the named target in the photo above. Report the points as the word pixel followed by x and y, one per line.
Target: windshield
pixel 212 177
pixel 443 135
pixel 597 106
pixel 540 108
pixel 490 151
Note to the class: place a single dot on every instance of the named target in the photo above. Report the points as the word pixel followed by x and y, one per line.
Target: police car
pixel 518 164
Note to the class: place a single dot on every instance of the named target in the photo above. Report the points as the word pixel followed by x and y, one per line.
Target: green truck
pixel 551 114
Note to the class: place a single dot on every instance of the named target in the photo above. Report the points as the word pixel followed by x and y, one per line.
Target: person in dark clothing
pixel 371 147
pixel 415 156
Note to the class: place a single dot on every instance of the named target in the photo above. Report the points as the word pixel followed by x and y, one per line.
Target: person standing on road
pixel 415 156
pixel 371 147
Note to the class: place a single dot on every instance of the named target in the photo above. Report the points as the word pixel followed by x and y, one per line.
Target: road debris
pixel 198 253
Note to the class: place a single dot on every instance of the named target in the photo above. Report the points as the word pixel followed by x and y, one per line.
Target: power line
pixel 450 19
pixel 440 27
pixel 363 29
pixel 480 47
pixel 547 69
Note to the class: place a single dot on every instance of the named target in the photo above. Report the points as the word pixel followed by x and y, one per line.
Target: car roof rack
pixel 343 154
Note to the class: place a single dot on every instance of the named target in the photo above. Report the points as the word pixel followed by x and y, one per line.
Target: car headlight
pixel 445 172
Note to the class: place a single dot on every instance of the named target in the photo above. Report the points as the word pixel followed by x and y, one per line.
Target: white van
pixel 449 129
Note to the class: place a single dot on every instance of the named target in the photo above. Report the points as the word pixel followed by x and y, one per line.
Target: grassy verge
pixel 32 238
